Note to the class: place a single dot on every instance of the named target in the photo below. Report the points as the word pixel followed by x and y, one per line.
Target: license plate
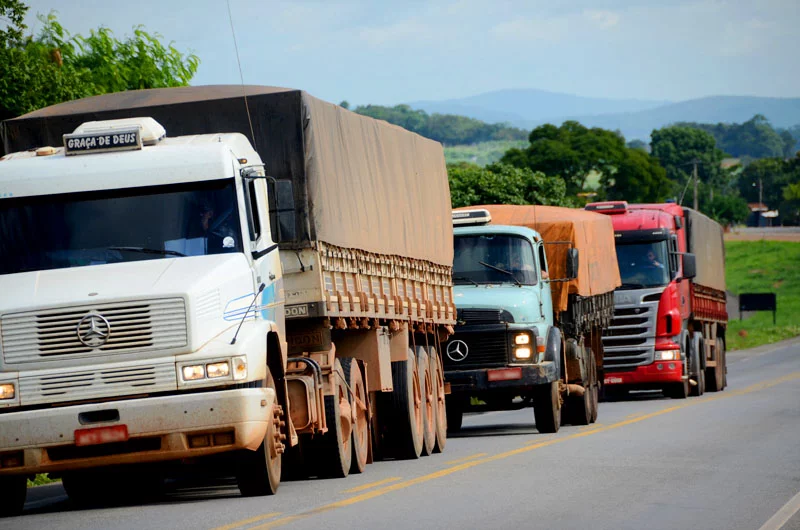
pixel 101 435
pixel 504 374
pixel 613 380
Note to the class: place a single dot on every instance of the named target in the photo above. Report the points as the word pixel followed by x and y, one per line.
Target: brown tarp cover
pixel 359 183
pixel 706 243
pixel 591 233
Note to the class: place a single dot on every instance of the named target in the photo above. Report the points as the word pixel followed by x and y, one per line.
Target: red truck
pixel 668 331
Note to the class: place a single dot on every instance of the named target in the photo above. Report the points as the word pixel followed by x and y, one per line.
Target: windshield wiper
pixel 149 251
pixel 466 280
pixel 503 271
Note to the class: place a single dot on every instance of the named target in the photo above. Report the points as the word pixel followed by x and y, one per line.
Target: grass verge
pixel 41 479
pixel 762 267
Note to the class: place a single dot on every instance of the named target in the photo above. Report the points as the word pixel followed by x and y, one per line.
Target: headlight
pixel 215 370
pixel 668 355
pixel 7 391
pixel 522 352
pixel 193 373
pixel 522 338
pixel 239 368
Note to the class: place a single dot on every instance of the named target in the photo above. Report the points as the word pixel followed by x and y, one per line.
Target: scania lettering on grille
pixel 93 330
pixel 457 350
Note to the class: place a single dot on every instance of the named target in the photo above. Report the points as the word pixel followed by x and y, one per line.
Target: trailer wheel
pixel 428 396
pixel 407 412
pixel 332 451
pixel 360 420
pixel 593 387
pixel 595 402
pixel 437 376
pixel 547 407
pixel 715 375
pixel 13 490
pixel 455 414
pixel 259 472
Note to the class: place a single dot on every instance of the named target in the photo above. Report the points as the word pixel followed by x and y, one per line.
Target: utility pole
pixel 760 193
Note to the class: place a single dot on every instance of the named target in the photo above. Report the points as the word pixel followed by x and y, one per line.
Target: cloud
pixel 602 18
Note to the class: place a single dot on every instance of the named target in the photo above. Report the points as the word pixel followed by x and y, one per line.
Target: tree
pixel 503 184
pixel 571 152
pixel 345 104
pixel 638 178
pixel 55 66
pixel 676 147
pixel 754 138
pixel 13 13
pixel 768 174
pixel 639 144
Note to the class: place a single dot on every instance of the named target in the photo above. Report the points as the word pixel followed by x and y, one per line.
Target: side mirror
pixel 689 266
pixel 572 263
pixel 281 210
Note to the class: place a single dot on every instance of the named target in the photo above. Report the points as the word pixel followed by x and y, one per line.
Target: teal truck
pixel 533 287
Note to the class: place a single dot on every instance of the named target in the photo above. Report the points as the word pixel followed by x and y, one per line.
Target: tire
pixel 595 392
pixel 437 376
pixel 358 399
pixel 455 414
pixel 595 402
pixel 407 416
pixel 258 472
pixel 13 489
pixel 333 451
pixel 715 375
pixel 547 408
pixel 428 396
pixel 697 371
pixel 579 409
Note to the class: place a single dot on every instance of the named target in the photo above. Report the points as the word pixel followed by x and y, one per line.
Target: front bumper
pixel 158 428
pixel 653 375
pixel 478 380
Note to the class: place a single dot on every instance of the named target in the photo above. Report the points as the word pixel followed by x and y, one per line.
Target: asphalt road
pixel 728 460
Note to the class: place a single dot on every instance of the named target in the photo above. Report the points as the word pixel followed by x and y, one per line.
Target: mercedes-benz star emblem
pixel 457 350
pixel 93 330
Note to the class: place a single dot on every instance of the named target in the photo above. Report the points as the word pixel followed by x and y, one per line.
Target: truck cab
pixel 505 345
pixel 142 303
pixel 649 343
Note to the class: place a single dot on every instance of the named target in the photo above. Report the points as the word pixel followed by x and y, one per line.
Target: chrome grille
pixel 630 339
pixel 82 384
pixel 52 334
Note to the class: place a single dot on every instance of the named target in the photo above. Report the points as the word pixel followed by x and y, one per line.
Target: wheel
pixel 455 414
pixel 259 472
pixel 595 402
pixel 697 371
pixel 437 376
pixel 360 420
pixel 715 375
pixel 428 402
pixel 547 407
pixel 13 489
pixel 579 408
pixel 333 451
pixel 594 389
pixel 407 412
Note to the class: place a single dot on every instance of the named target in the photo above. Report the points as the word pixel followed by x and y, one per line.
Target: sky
pixel 386 52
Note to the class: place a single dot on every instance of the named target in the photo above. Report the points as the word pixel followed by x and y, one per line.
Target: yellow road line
pixel 473 457
pixel 373 484
pixel 248 521
pixel 527 448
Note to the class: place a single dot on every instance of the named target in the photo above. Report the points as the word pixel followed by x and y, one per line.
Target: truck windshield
pixel 643 264
pixel 492 258
pixel 111 226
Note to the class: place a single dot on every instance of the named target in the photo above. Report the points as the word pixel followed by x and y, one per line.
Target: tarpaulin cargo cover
pixel 705 240
pixel 591 233
pixel 360 183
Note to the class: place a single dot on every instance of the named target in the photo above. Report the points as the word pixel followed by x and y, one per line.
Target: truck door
pixel 264 252
pixel 545 299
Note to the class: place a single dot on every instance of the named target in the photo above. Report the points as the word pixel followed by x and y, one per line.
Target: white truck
pixel 278 304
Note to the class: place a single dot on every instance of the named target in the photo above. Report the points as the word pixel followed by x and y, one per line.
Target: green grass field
pixel 761 267
pixel 483 153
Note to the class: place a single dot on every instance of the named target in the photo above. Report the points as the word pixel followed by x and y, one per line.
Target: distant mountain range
pixel 636 118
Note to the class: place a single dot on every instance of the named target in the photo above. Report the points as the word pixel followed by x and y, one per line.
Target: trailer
pixel 248 274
